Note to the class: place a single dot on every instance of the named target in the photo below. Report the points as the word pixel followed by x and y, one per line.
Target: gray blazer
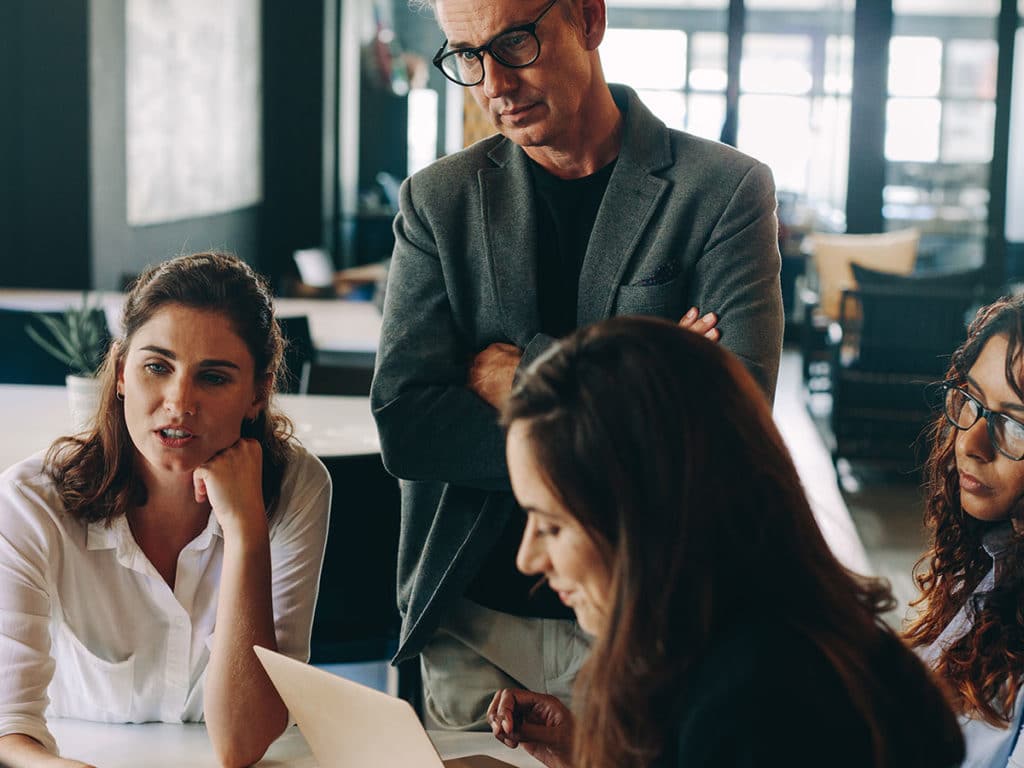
pixel 684 222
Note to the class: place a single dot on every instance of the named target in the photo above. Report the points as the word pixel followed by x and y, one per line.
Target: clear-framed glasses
pixel 517 47
pixel 963 411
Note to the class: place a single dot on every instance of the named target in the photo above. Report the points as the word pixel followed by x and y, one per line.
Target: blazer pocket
pixel 660 300
pixel 86 686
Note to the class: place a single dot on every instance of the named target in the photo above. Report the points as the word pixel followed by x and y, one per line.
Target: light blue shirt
pixel 987 746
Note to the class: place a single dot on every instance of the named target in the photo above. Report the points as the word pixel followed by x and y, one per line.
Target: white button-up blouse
pixel 90 630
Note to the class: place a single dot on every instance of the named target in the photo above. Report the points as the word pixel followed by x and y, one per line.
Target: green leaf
pixel 50 348
pixel 76 338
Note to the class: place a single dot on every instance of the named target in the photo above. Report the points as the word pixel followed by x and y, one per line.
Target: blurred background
pixel 135 129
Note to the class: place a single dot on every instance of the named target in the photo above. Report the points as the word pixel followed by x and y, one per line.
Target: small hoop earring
pixel 119 396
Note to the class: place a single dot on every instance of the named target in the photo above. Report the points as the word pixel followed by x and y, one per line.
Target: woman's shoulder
pixel 26 484
pixel 304 468
pixel 762 660
pixel 768 680
pixel 305 480
pixel 795 699
pixel 29 500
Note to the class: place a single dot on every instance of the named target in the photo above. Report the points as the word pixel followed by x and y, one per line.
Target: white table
pixel 328 425
pixel 165 745
pixel 344 332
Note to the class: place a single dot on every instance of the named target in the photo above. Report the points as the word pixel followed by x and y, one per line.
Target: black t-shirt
pixel 566 211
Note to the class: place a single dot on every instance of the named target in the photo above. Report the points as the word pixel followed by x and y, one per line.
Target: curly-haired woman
pixel 971 623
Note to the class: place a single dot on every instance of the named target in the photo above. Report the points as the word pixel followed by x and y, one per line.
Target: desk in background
pixel 172 745
pixel 345 333
pixel 329 426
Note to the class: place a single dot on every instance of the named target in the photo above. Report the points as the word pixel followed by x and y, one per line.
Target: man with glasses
pixel 582 207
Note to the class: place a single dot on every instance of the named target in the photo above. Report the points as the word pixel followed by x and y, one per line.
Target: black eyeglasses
pixel 963 411
pixel 516 48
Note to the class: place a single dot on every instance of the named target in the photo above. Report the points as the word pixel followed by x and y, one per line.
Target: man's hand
pixel 491 372
pixel 704 325
pixel 540 723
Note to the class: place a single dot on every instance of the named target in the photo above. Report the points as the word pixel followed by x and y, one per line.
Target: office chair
pixel 831 259
pixel 897 335
pixel 299 354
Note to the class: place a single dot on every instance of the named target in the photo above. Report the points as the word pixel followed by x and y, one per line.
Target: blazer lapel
pixel 632 197
pixel 509 225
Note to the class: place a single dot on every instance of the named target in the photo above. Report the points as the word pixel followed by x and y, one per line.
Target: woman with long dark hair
pixel 970 627
pixel 664 508
pixel 141 560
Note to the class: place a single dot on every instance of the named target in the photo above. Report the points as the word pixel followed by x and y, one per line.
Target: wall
pixel 63 209
pixel 117 248
pixel 298 113
pixel 44 192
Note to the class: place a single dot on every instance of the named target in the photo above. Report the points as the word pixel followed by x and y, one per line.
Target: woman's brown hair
pixel 664 448
pixel 984 668
pixel 94 472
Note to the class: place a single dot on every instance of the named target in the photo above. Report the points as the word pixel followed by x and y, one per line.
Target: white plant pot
pixel 83 401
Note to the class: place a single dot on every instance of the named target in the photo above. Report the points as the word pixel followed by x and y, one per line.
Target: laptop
pixel 348 725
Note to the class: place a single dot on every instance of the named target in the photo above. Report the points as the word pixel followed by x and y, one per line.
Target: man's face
pixel 537 105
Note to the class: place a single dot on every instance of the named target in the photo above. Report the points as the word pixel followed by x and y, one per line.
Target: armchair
pixel 831 258
pixel 895 336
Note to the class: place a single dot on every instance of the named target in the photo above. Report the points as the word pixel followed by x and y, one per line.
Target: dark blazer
pixel 684 222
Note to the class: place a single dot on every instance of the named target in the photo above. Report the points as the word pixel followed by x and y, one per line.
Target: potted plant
pixel 79 339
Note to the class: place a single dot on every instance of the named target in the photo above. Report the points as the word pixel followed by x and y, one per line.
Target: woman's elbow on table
pixel 20 751
pixel 235 755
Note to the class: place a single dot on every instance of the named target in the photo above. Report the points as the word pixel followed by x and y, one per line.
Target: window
pixel 422 128
pixel 946 7
pixel 915 66
pixel 776 64
pixel 1015 176
pixel 777 131
pixel 940 123
pixel 796 74
pixel 672 4
pixel 789 5
pixel 658 74
pixel 680 77
pixel 912 129
pixel 708 62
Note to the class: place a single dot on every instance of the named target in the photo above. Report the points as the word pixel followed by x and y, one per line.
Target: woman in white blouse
pixel 141 561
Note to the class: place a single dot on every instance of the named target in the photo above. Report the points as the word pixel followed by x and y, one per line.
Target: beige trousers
pixel 477 651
